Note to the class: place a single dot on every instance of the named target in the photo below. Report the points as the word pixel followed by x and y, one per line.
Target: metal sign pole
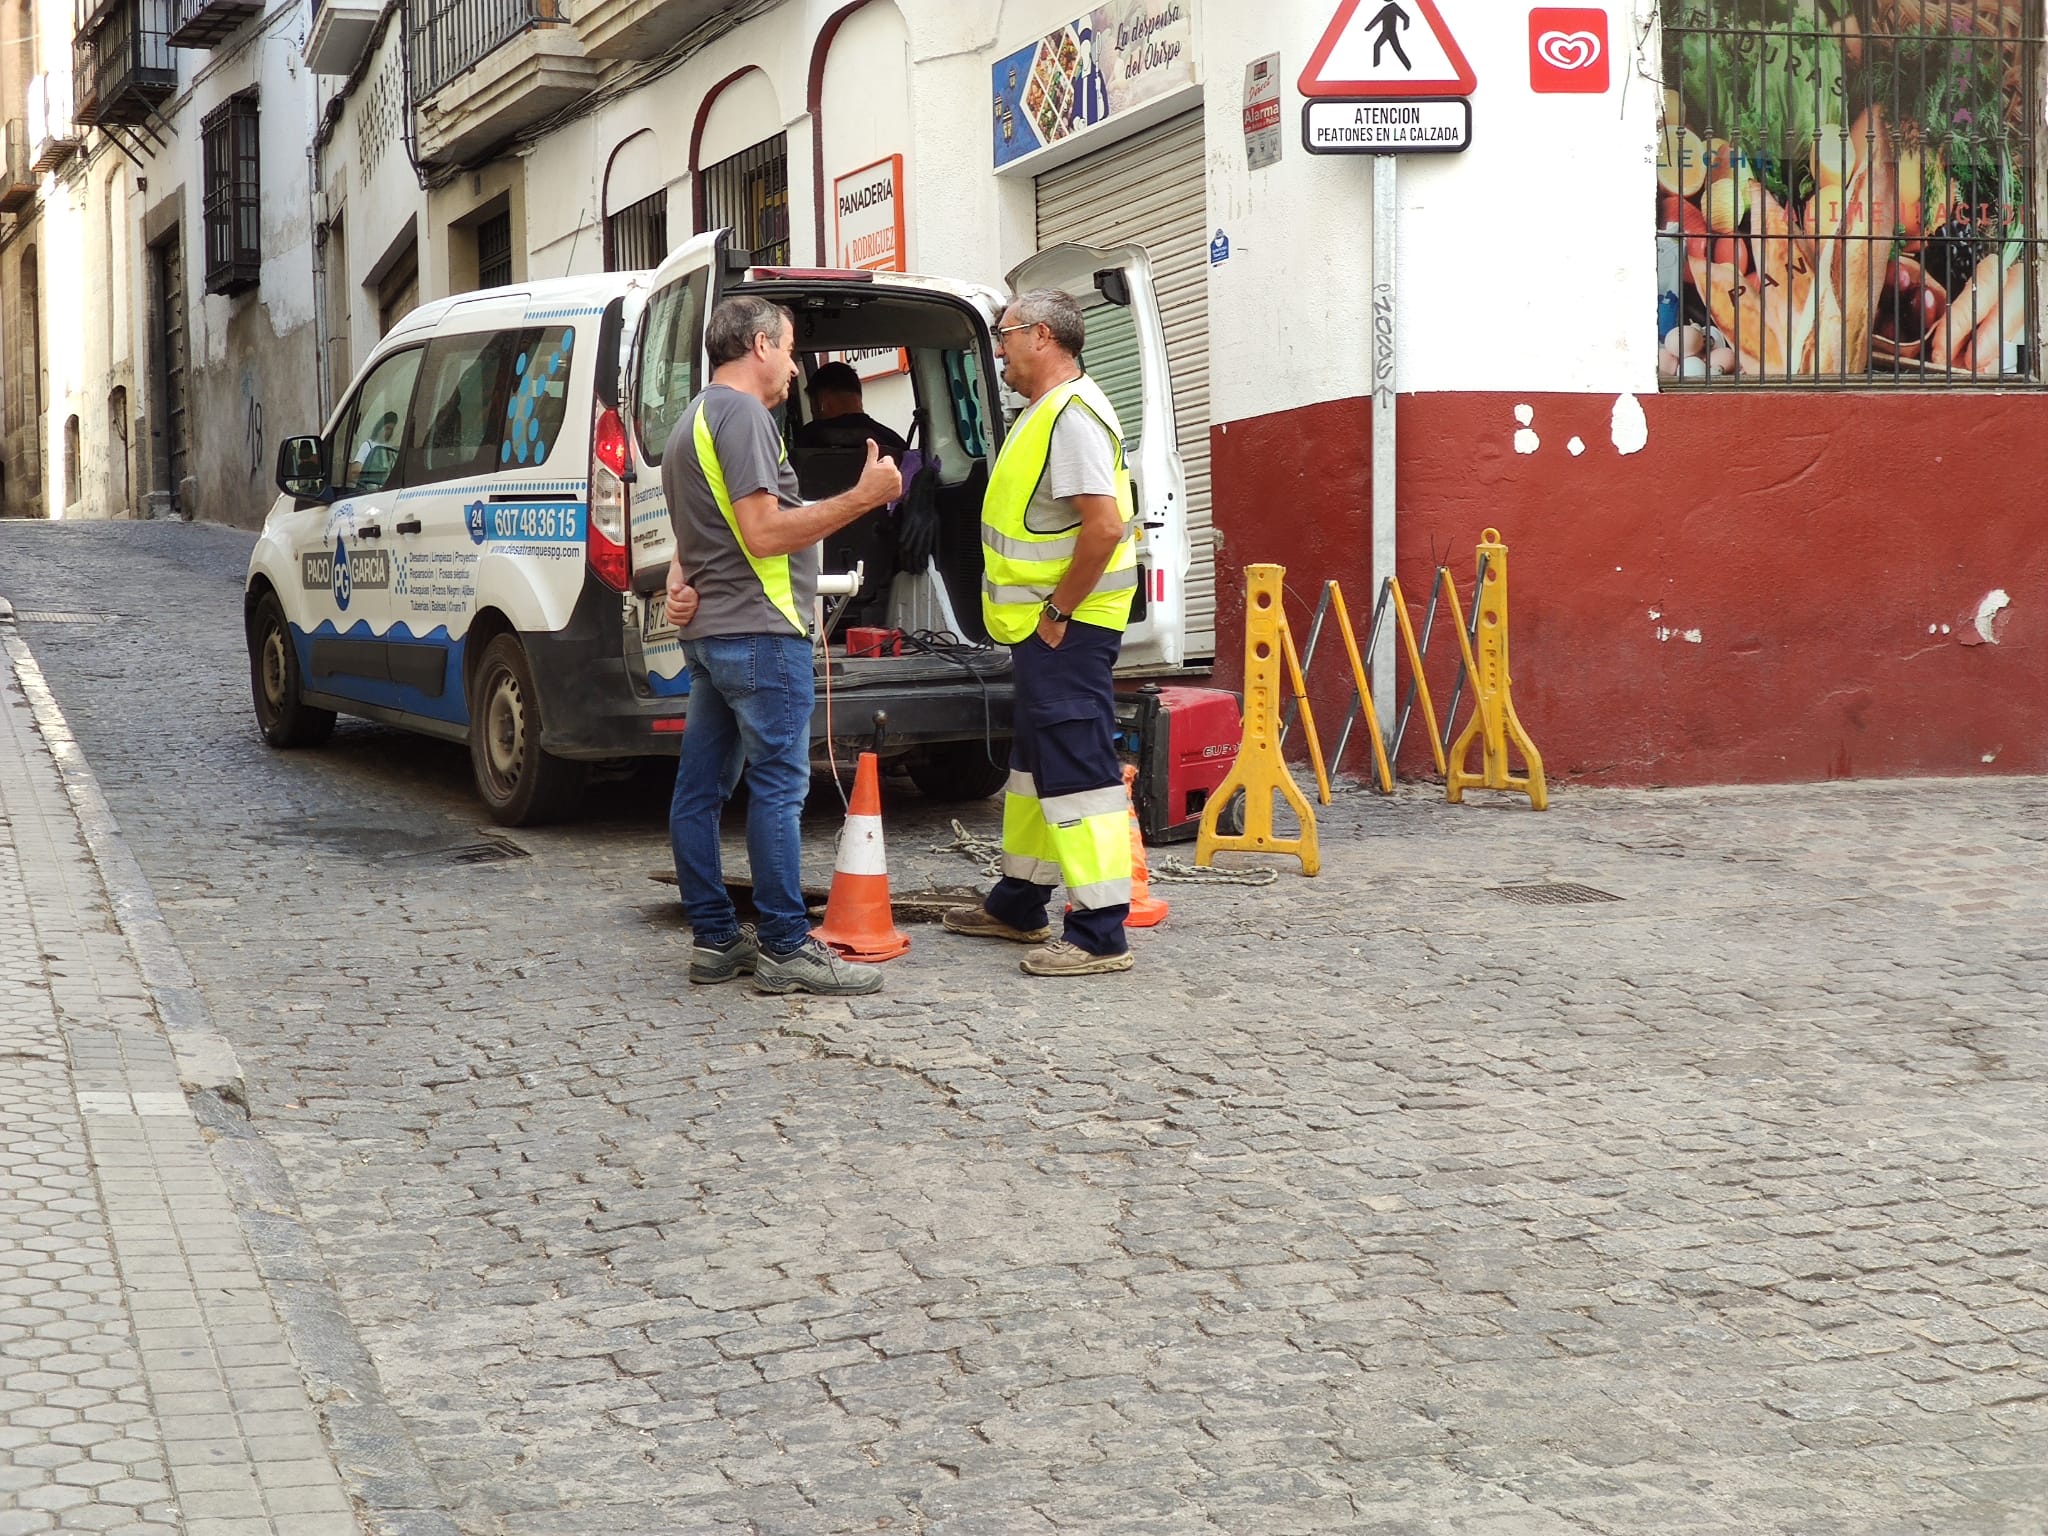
pixel 1383 272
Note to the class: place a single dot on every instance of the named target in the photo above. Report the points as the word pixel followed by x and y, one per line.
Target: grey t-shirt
pixel 1081 461
pixel 731 599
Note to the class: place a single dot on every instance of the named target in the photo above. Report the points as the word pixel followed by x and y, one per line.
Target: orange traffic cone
pixel 1147 910
pixel 858 922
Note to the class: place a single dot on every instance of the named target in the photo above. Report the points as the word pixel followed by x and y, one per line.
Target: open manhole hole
pixel 1559 895
pixel 55 616
pixel 485 850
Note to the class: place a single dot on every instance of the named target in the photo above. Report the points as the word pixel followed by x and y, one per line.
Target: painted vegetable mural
pixel 1843 190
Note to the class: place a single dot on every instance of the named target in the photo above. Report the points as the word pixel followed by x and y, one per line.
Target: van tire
pixel 282 714
pixel 953 772
pixel 521 786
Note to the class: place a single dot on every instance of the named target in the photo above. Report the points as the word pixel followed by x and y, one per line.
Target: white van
pixel 477 546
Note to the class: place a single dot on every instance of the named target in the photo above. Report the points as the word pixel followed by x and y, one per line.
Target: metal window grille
pixel 749 194
pixel 448 36
pixel 636 237
pixel 494 251
pixel 1849 193
pixel 234 214
pixel 122 64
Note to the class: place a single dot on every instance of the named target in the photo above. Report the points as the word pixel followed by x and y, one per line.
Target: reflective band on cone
pixel 858 921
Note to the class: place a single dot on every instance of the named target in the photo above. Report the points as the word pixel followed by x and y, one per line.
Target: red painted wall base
pixel 1779 587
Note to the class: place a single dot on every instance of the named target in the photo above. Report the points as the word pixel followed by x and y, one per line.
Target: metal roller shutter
pixel 1149 191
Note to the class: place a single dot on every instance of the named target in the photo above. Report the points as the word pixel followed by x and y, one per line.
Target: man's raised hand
pixel 881 482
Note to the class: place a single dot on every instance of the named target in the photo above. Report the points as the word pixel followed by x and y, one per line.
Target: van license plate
pixel 654 624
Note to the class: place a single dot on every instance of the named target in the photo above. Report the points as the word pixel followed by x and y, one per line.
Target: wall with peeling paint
pixel 1773 587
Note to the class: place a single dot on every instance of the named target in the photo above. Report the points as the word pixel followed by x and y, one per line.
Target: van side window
pixel 532 418
pixel 373 428
pixel 461 382
pixel 672 337
pixel 963 388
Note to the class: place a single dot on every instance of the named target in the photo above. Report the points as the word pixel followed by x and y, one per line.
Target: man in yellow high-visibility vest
pixel 1060 567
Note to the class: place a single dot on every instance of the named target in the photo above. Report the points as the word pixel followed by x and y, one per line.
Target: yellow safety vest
pixel 1020 568
pixel 773 571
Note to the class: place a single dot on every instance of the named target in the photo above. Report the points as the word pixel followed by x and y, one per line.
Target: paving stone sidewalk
pixel 146 1382
pixel 1377 1203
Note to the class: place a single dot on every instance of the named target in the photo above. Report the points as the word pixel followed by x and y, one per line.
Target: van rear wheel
pixel 521 785
pixel 282 716
pixel 956 771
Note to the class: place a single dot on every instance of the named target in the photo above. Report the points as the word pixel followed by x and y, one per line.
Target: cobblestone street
pixel 1380 1202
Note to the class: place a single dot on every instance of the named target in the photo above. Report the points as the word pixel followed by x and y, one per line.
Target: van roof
pixel 549 299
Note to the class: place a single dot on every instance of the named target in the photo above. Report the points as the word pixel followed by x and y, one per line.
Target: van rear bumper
pixel 591 706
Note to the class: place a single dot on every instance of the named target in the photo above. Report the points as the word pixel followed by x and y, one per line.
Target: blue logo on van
pixel 344 586
pixel 473 516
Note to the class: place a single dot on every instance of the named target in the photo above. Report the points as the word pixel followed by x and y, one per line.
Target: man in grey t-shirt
pixel 742 585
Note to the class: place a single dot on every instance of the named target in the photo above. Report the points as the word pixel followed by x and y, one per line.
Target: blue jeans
pixel 751 695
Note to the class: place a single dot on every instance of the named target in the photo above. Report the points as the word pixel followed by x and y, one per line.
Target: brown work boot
pixel 1059 958
pixel 976 923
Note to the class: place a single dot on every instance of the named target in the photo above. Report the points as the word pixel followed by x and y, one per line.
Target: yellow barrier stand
pixel 1494 722
pixel 1260 772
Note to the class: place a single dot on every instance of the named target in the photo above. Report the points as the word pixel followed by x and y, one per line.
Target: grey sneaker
pixel 977 923
pixel 709 964
pixel 811 967
pixel 1059 958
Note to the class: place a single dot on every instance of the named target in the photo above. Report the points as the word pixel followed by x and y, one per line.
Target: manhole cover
pixel 1565 895
pixel 488 850
pixel 52 616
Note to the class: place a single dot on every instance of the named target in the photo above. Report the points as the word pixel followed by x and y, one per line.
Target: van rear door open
pixel 663 371
pixel 1125 354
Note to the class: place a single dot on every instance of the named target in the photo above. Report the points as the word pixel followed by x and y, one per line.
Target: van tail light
pixel 610 559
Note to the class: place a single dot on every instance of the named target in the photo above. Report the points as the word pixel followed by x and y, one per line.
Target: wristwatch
pixel 1051 611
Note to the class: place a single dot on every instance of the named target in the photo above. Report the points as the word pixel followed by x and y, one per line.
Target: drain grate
pixel 53 616
pixel 488 850
pixel 1564 895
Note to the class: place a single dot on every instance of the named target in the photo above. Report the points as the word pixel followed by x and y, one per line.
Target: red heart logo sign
pixel 1568 50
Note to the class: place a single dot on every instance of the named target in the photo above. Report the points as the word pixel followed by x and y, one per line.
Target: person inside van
pixel 376 454
pixel 838 413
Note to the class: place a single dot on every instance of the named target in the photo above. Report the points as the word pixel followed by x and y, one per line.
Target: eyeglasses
pixel 1021 325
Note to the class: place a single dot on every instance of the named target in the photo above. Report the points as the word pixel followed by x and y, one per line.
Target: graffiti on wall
pixel 1843 190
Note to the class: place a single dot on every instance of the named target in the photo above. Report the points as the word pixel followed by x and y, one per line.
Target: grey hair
pixel 1057 311
pixel 737 321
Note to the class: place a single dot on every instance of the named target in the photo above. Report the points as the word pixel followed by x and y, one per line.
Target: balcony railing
pixel 450 36
pixel 121 61
pixel 17 184
pixel 51 134
pixel 209 23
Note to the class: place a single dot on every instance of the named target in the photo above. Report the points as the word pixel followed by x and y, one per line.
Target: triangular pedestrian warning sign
pixel 1387 48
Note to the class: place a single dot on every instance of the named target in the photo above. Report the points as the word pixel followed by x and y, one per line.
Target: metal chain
pixel 1170 871
pixel 988 856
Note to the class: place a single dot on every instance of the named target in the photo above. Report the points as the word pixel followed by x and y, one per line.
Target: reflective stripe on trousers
pixel 1080 840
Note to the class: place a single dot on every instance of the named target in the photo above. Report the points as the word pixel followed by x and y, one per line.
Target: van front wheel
pixel 520 784
pixel 284 718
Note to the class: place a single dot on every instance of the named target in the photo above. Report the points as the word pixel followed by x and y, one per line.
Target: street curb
pixel 207 1064
pixel 379 1465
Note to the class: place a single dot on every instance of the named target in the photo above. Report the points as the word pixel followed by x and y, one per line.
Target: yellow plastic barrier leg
pixel 1420 683
pixel 1382 769
pixel 1494 722
pixel 1260 771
